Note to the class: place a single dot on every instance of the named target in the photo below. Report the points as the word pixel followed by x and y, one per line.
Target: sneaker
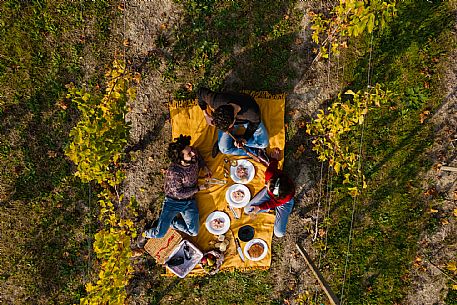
pixel 141 241
pixel 216 150
pixel 175 261
pixel 138 252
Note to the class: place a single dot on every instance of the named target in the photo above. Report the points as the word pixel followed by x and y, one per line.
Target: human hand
pixel 208 172
pixel 208 118
pixel 255 210
pixel 240 143
pixel 203 186
pixel 275 153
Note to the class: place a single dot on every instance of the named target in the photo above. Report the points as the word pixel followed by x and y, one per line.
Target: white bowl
pixel 216 215
pixel 238 204
pixel 252 242
pixel 245 163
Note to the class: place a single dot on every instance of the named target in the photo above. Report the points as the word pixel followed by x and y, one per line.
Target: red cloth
pixel 272 171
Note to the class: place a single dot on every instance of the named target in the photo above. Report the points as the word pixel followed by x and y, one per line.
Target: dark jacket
pixel 249 113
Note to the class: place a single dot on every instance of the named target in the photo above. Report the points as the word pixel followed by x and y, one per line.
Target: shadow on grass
pixel 390 216
pixel 56 250
pixel 237 45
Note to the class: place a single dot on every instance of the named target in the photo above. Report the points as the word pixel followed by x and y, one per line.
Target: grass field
pixel 46 213
pixel 48 217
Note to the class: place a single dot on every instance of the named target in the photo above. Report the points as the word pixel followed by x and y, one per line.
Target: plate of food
pixel 238 196
pixel 243 172
pixel 217 222
pixel 255 249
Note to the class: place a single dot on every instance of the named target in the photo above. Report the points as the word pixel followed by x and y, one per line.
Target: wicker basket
pixel 161 248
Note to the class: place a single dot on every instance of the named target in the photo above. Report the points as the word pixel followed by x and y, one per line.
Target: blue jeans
pixel 258 140
pixel 189 223
pixel 282 211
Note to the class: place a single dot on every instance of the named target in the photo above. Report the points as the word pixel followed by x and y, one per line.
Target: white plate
pixel 215 215
pixel 238 204
pixel 255 241
pixel 248 165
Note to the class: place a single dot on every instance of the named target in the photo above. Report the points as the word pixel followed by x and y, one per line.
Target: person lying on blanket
pixel 181 185
pixel 278 193
pixel 230 112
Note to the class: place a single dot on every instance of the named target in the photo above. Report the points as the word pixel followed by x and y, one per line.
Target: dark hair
pixel 223 117
pixel 175 148
pixel 285 187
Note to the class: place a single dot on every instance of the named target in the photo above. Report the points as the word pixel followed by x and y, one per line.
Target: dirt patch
pixel 312 84
pixel 437 249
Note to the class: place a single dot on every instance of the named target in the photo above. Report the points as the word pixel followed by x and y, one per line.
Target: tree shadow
pixel 392 214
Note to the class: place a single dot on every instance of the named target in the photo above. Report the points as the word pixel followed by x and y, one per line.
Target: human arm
pixel 272 203
pixel 250 130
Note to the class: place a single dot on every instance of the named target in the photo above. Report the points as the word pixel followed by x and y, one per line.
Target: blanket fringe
pixel 228 269
pixel 265 94
pixel 182 104
pixel 255 94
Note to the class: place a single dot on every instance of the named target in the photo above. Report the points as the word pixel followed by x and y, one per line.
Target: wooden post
pixel 328 291
pixel 448 168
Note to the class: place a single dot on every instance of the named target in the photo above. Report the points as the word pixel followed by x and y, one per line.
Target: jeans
pixel 282 211
pixel 189 223
pixel 258 140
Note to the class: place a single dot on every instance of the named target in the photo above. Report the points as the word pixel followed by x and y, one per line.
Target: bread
pixel 255 250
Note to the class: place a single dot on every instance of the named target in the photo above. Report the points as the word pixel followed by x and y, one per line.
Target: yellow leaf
pixel 455 212
pixel 454 287
pixel 433 211
pixel 451 266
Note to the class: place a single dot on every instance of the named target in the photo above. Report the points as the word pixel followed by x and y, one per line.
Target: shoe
pixel 187 251
pixel 216 150
pixel 262 155
pixel 141 241
pixel 137 252
pixel 175 261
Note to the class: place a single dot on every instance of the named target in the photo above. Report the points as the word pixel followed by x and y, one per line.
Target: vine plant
pixel 96 147
pixel 331 130
pixel 350 18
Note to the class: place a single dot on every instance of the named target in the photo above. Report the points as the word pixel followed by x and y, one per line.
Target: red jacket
pixel 273 170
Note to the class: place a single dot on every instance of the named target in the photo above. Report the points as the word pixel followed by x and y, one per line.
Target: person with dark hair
pixel 230 113
pixel 277 194
pixel 181 184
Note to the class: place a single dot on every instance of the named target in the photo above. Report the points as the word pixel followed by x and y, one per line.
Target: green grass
pixel 392 212
pixel 45 224
pixel 221 38
pixel 46 228
pixel 220 289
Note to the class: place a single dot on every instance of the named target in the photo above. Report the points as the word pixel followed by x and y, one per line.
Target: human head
pixel 224 117
pixel 281 182
pixel 179 151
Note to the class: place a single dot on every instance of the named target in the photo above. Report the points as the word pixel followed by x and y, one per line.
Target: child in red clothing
pixel 278 193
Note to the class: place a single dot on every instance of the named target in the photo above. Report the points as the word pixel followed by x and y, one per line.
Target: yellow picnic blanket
pixel 187 118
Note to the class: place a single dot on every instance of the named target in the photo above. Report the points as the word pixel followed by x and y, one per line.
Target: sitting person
pixel 230 112
pixel 278 193
pixel 180 189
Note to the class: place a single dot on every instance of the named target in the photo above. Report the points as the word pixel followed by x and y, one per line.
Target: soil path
pixel 144 21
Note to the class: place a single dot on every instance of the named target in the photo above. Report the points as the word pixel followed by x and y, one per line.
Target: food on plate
pixel 238 195
pixel 242 173
pixel 211 261
pixel 217 223
pixel 255 250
